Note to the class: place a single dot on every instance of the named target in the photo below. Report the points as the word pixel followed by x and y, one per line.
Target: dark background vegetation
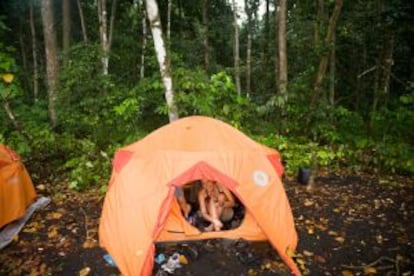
pixel 365 129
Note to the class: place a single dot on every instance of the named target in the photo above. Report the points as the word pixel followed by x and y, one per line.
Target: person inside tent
pixel 184 206
pixel 216 204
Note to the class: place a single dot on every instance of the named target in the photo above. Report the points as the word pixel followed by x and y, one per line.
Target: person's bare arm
pixel 203 207
pixel 229 202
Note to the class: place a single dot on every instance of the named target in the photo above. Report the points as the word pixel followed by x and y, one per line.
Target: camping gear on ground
pixel 16 187
pixel 16 196
pixel 8 232
pixel 140 208
pixel 172 264
pixel 304 175
pixel 108 259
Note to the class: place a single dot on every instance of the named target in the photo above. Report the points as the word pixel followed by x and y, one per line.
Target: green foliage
pixel 215 97
pixel 90 167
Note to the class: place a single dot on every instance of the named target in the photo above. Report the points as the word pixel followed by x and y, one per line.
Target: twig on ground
pixel 370 264
pixel 86 223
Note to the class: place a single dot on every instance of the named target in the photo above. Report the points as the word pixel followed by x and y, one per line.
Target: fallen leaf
pixel 16 238
pixel 308 202
pixel 340 239
pixel 89 243
pixel 332 233
pixel 370 270
pixel 347 273
pixel 379 239
pixel 54 215
pixel 307 253
pixel 84 271
pixel 320 259
pixel 41 187
pixel 52 232
pixel 252 272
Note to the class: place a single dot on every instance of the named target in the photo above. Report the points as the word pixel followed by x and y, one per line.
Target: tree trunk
pixel 282 48
pixel 111 25
pixel 82 20
pixel 382 79
pixel 162 57
pixel 105 37
pixel 387 63
pixel 169 8
pixel 332 73
pixel 205 33
pixel 266 37
pixel 236 49
pixel 24 59
pixel 248 10
pixel 66 27
pixel 318 22
pixel 323 64
pixel 34 53
pixel 52 65
pixel 103 34
pixel 276 59
pixel 144 41
pixel 14 121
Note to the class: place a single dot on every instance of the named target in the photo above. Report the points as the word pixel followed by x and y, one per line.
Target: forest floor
pixel 349 225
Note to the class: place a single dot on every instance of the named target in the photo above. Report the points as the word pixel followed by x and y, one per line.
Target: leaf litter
pixel 348 225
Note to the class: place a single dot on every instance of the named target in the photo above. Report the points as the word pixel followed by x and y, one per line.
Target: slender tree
pixel 236 49
pixel 52 65
pixel 282 81
pixel 323 63
pixel 206 4
pixel 105 37
pixel 34 54
pixel 82 20
pixel 66 26
pixel 249 11
pixel 332 62
pixel 144 40
pixel 276 56
pixel 162 57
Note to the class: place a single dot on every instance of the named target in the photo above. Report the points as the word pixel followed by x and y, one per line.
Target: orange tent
pixel 16 187
pixel 140 207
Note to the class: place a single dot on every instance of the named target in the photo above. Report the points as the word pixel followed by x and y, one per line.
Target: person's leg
pixel 185 207
pixel 214 212
pixel 227 214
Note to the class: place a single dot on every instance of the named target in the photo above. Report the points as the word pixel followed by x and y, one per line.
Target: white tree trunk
pixel 103 35
pixel 144 41
pixel 156 30
pixel 236 49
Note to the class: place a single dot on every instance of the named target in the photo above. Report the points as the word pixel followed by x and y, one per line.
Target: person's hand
pixel 217 224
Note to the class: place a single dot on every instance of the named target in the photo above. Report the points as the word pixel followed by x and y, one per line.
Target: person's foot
pixel 209 228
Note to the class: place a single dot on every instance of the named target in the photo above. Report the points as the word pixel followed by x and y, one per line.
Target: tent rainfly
pixel 140 207
pixel 16 187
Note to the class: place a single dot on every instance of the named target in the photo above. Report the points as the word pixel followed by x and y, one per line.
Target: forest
pixel 327 83
pixel 331 80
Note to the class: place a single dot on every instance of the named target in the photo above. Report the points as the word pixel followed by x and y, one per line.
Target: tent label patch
pixel 260 178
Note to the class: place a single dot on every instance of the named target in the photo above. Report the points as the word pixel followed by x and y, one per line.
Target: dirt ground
pixel 349 225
